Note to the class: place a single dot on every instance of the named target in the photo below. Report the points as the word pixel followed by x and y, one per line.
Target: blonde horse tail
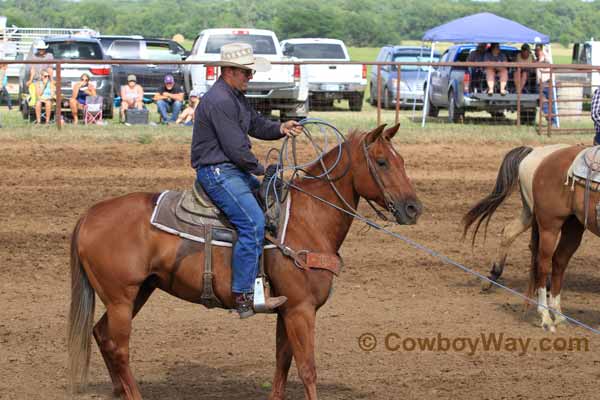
pixel 506 182
pixel 81 316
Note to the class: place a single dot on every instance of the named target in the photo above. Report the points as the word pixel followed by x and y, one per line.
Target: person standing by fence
pixel 596 115
pixel 543 78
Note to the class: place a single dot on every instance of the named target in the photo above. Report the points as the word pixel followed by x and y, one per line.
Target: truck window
pixel 586 54
pixel 317 50
pixel 71 50
pixel 261 44
pixel 463 55
pixel 125 50
pixel 416 57
pixel 161 51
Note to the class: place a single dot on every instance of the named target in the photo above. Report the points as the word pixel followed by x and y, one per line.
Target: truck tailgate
pixel 334 73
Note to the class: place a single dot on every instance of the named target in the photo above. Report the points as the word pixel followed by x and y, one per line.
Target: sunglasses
pixel 45 76
pixel 248 72
pixel 84 79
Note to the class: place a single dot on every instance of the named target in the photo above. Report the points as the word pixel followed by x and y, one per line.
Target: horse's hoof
pixel 548 327
pixel 486 286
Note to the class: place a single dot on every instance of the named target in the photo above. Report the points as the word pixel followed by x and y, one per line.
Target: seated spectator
pixel 524 56
pixel 132 96
pixel 478 54
pixel 187 116
pixel 3 83
pixel 495 55
pixel 81 90
pixel 45 94
pixel 36 70
pixel 169 99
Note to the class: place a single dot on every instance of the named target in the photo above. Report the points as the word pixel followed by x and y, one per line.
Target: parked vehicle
pixel 283 88
pixel 412 77
pixel 149 76
pixel 15 43
pixel 73 48
pixel 588 53
pixel 461 89
pixel 329 82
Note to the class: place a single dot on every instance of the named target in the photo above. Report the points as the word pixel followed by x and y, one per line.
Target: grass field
pixel 477 128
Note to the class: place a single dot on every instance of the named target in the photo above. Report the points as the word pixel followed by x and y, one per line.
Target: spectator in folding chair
pixel 45 95
pixel 132 96
pixel 169 99
pixel 187 116
pixel 81 90
pixel 92 111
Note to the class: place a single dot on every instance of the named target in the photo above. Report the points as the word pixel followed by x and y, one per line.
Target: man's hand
pixel 291 128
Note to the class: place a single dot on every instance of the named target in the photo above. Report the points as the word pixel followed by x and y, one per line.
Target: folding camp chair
pixel 92 110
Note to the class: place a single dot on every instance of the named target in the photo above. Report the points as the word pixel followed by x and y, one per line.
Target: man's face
pixel 170 85
pixel 240 78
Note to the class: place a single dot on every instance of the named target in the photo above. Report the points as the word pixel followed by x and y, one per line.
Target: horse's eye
pixel 382 162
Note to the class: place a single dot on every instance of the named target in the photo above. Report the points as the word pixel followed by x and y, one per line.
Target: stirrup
pixel 261 303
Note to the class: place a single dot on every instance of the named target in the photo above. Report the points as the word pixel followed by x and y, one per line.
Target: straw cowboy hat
pixel 241 55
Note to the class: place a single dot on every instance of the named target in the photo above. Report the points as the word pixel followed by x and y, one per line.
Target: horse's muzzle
pixel 407 212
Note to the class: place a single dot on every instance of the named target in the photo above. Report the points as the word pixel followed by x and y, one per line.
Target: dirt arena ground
pixel 388 289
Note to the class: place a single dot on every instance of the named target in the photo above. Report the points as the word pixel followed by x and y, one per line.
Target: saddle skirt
pixel 586 166
pixel 191 213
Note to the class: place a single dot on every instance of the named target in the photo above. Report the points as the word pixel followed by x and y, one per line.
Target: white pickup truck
pixel 329 82
pixel 283 88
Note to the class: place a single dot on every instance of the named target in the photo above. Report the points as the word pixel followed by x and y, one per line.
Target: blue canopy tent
pixel 479 28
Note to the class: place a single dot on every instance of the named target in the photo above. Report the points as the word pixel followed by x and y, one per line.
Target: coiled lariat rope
pixel 285 164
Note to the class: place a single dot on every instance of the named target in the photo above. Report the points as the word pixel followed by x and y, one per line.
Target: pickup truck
pixel 329 82
pixel 283 88
pixel 588 53
pixel 149 76
pixel 461 89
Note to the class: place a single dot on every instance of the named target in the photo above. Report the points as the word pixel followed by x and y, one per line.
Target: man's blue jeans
pixel 546 91
pixel 166 106
pixel 231 190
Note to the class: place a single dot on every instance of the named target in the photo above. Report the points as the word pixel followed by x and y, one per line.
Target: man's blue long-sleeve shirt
pixel 222 123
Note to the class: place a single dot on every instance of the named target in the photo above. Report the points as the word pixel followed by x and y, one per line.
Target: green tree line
pixel 357 22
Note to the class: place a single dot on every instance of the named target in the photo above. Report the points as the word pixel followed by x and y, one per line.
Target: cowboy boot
pixel 244 303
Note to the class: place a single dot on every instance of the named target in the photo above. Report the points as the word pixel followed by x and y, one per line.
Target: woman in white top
pixel 132 96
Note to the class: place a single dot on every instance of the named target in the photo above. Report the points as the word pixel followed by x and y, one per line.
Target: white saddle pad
pixel 586 163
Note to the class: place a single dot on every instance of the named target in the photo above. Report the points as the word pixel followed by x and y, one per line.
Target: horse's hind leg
pixel 570 239
pixel 548 236
pixel 106 344
pixel 510 232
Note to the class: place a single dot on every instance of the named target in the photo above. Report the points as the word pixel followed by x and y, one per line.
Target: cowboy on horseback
pixel 226 168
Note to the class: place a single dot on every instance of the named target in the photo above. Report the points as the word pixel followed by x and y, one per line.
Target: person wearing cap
pixel 524 56
pixel 226 167
pixel 41 54
pixel 169 99
pixel 187 116
pixel 132 96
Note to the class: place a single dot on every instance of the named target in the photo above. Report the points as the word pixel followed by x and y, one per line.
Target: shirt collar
pixel 232 90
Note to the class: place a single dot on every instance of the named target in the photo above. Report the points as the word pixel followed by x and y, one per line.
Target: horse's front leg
pixel 283 361
pixel 300 328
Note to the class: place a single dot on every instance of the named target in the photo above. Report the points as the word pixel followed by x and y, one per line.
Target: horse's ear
pixel 374 134
pixel 391 131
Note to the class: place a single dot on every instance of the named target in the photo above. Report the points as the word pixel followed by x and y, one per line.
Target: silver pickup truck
pixel 283 88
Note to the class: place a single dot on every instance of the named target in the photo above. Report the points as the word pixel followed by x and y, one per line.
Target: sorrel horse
pixel 559 210
pixel 118 255
pixel 517 169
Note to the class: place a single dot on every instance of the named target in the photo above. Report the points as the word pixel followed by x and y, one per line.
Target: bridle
pixel 389 200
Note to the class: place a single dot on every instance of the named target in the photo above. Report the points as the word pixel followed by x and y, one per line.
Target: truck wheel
pixel 432 110
pixel 24 109
pixel 454 113
pixel 372 97
pixel 356 101
pixel 528 116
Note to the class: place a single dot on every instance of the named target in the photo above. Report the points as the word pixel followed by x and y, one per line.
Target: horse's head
pixel 379 175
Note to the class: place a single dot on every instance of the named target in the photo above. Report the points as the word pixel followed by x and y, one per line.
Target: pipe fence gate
pixel 562 93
